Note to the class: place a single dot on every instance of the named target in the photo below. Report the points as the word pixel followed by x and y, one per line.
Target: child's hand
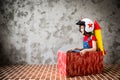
pixel 72 48
pixel 83 52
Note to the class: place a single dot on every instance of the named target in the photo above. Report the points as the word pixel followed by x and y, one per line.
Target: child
pixel 86 27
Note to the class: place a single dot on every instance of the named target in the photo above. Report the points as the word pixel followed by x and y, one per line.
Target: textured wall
pixel 32 31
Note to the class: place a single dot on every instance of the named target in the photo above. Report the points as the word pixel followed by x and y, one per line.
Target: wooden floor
pixel 49 72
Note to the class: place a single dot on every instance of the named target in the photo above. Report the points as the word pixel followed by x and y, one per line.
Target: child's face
pixel 81 29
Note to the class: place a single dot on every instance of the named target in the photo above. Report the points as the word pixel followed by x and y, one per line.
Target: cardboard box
pixel 73 64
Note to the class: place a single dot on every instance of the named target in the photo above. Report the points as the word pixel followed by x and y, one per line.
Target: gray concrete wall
pixel 32 31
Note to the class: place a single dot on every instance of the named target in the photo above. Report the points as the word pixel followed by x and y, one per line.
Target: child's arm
pixel 78 49
pixel 90 49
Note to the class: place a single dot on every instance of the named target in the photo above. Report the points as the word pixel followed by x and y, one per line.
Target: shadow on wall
pixel 6 15
pixel 114 28
pixel 4 59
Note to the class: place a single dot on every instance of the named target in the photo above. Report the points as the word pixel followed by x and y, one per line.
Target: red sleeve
pixel 94 38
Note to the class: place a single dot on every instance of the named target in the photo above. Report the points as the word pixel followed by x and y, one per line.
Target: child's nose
pixel 80 30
